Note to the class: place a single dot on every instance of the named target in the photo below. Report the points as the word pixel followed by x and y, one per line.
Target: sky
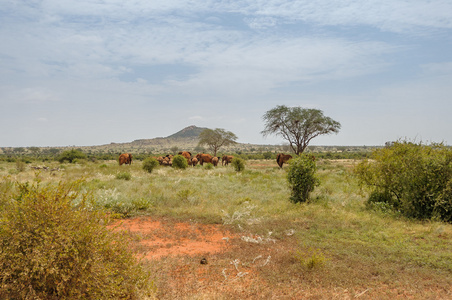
pixel 92 72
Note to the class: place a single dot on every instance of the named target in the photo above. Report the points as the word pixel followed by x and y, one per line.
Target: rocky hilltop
pixel 189 136
pixel 188 132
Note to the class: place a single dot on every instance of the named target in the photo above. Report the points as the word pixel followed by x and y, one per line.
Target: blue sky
pixel 93 72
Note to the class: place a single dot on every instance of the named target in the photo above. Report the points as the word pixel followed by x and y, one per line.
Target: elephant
pixel 125 158
pixel 167 160
pixel 215 161
pixel 193 161
pixel 204 158
pixel 160 159
pixel 226 159
pixel 186 154
pixel 282 158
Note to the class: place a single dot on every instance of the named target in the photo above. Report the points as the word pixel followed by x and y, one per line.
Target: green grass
pixel 354 246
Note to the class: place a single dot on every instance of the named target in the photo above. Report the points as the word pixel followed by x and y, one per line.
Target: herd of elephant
pixel 201 158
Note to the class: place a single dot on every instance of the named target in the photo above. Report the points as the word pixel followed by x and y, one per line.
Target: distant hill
pixel 188 132
pixel 186 139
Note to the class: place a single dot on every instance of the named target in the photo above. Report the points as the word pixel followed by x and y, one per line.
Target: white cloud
pixel 223 61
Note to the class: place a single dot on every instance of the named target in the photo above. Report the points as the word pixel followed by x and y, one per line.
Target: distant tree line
pixel 70 155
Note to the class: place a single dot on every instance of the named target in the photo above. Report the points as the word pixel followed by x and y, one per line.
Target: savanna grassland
pixel 330 248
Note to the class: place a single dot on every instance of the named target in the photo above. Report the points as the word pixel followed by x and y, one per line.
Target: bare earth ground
pixel 244 266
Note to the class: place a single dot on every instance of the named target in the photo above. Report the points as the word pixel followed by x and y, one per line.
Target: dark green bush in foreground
pixel 149 164
pixel 414 179
pixel 180 162
pixel 238 164
pixel 301 177
pixel 50 249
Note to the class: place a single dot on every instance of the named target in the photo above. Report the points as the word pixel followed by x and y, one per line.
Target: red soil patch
pixel 159 239
pixel 238 269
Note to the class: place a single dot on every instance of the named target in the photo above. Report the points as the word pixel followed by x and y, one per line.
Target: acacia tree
pixel 215 139
pixel 298 125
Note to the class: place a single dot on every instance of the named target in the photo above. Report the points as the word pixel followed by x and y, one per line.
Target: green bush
pixel 149 164
pixel 124 176
pixel 238 164
pixel 20 165
pixel 208 166
pixel 54 247
pixel 414 179
pixel 180 162
pixel 71 155
pixel 301 177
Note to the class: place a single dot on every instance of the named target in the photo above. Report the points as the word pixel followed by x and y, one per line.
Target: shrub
pixel 238 164
pixel 313 258
pixel 20 166
pixel 180 162
pixel 71 155
pixel 149 164
pixel 53 249
pixel 124 176
pixel 414 179
pixel 208 166
pixel 301 177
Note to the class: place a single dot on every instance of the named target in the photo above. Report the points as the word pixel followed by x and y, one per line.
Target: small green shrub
pixel 180 162
pixel 54 247
pixel 20 165
pixel 149 164
pixel 301 177
pixel 313 258
pixel 141 204
pixel 238 164
pixel 124 176
pixel 208 166
pixel 71 155
pixel 184 195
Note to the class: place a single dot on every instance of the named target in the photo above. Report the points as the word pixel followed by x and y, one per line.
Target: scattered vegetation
pixel 306 247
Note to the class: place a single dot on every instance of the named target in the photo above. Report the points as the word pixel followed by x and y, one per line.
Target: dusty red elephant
pixel 204 158
pixel 282 158
pixel 226 159
pixel 193 162
pixel 215 161
pixel 125 158
pixel 186 154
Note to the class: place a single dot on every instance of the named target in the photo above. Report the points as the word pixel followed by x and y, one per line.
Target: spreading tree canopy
pixel 298 125
pixel 215 139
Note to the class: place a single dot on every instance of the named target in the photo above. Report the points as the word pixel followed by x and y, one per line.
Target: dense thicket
pixel 53 247
pixel 413 179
